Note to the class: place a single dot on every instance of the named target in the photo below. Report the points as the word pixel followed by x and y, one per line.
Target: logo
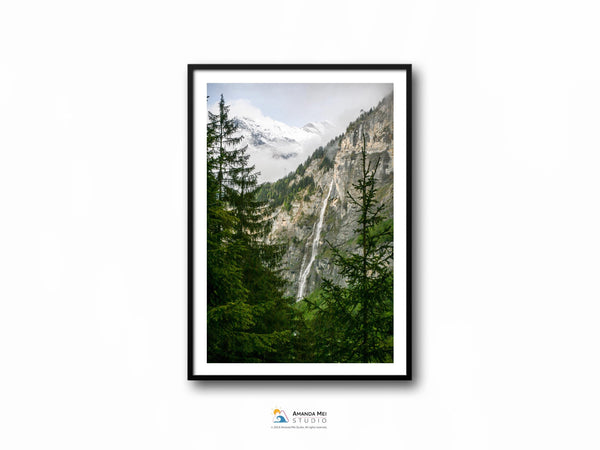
pixel 279 416
pixel 299 419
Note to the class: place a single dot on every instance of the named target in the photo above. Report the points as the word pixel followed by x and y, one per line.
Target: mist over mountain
pixel 276 148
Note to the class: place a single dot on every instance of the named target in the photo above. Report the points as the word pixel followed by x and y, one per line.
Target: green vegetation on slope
pixel 295 184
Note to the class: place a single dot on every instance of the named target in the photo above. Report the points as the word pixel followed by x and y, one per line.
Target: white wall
pixel 92 224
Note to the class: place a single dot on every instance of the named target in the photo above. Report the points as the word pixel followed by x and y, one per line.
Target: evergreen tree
pixel 222 152
pixel 249 318
pixel 227 309
pixel 354 323
pixel 272 311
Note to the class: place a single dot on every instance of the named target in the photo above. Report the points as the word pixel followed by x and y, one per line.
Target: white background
pixel 92 229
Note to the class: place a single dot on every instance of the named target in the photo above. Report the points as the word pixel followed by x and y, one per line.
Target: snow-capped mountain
pixel 276 148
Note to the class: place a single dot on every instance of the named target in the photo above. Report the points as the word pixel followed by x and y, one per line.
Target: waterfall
pixel 315 244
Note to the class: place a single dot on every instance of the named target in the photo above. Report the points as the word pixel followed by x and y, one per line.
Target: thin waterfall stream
pixel 315 244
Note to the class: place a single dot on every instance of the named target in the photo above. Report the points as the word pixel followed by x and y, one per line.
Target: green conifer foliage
pixel 354 323
pixel 249 318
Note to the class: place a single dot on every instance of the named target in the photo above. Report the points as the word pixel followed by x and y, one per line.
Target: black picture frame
pixel 191 263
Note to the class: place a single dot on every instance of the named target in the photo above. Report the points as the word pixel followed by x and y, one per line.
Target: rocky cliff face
pixel 296 221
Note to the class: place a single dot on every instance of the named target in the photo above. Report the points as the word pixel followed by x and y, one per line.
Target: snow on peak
pixel 276 148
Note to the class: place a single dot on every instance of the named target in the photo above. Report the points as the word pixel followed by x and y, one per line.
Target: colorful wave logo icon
pixel 279 416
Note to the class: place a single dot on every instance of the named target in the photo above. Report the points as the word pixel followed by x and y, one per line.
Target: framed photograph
pixel 299 222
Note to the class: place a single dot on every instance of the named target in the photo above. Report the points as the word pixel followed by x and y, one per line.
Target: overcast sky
pixel 298 104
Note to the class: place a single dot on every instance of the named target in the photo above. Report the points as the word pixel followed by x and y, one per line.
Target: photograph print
pixel 299 222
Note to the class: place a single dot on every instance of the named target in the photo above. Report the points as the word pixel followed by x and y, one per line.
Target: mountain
pixel 311 204
pixel 276 148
